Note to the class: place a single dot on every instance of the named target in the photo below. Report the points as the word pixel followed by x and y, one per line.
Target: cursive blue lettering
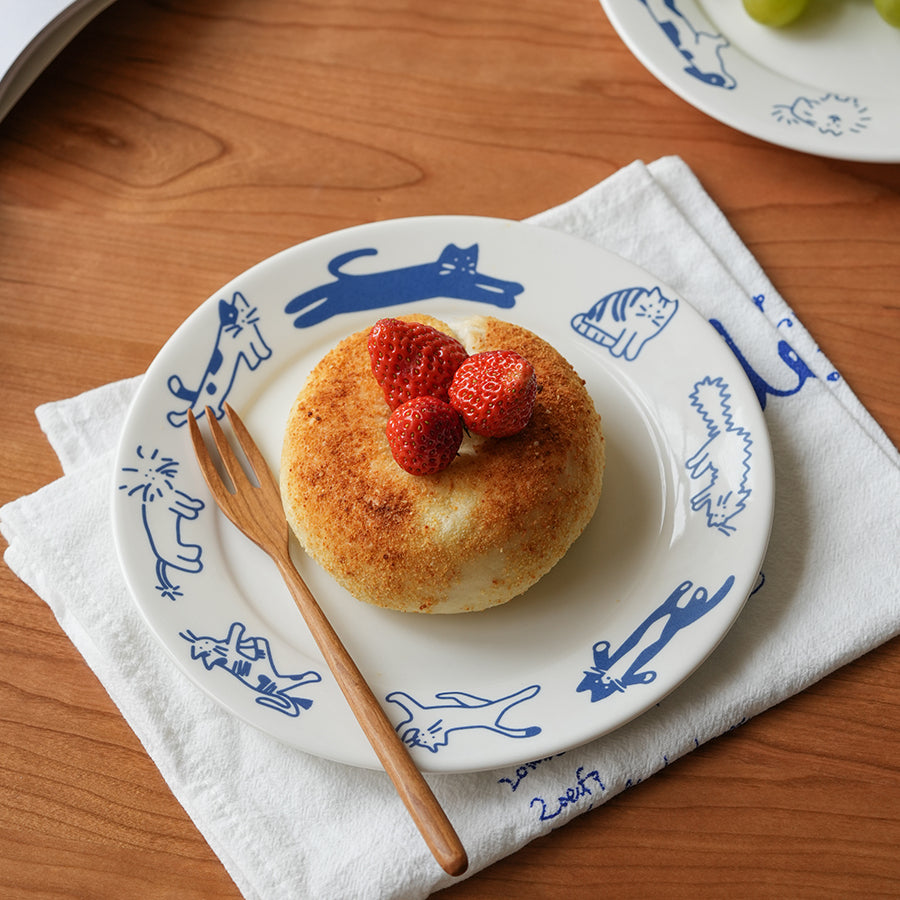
pixel 581 789
pixel 523 771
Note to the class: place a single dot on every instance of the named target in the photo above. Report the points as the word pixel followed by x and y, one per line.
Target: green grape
pixel 889 10
pixel 776 12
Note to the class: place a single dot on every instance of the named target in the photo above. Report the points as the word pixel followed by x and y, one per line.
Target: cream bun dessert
pixel 472 536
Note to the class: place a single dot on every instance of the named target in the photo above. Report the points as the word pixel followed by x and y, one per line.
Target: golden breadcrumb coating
pixel 472 536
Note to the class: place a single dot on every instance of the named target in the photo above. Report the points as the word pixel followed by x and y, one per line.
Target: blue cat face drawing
pixel 828 114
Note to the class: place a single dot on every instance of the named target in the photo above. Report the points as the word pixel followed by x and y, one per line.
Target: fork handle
pixel 423 806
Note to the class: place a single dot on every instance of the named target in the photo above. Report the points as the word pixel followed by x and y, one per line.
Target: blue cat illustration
pixel 616 670
pixel 454 274
pixel 249 659
pixel 430 726
pixel 238 340
pixel 164 509
pixel 722 464
pixel 761 387
pixel 828 114
pixel 701 50
pixel 625 320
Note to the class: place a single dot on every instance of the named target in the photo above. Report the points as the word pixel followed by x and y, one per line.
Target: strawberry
pixel 494 392
pixel 410 359
pixel 424 435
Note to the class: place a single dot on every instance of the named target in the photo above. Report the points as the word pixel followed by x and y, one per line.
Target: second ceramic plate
pixel 827 84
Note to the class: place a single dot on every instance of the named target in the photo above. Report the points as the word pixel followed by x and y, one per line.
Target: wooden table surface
pixel 173 144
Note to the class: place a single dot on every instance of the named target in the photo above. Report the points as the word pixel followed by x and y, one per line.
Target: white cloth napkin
pixel 286 824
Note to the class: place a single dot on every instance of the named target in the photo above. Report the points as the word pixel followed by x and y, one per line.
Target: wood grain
pixel 175 143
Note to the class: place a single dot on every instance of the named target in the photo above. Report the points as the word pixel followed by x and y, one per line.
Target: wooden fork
pixel 257 510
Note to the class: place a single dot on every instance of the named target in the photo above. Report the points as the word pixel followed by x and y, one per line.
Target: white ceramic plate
pixel 827 84
pixel 637 604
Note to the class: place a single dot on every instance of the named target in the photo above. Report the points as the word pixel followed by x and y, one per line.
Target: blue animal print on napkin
pixel 164 509
pixel 617 669
pixel 701 50
pixel 625 320
pixel 237 340
pixel 761 387
pixel 430 726
pixel 722 463
pixel 249 660
pixel 454 274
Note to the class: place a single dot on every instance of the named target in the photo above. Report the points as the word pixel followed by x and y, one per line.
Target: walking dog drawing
pixel 238 340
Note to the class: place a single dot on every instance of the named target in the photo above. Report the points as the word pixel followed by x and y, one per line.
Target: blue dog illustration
pixel 454 274
pixel 616 670
pixel 237 339
pixel 722 464
pixel 625 320
pixel 761 387
pixel 250 661
pixel 430 726
pixel 702 50
pixel 164 509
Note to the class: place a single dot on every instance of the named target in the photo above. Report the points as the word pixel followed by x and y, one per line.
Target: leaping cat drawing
pixel 430 726
pixel 616 670
pixel 454 274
